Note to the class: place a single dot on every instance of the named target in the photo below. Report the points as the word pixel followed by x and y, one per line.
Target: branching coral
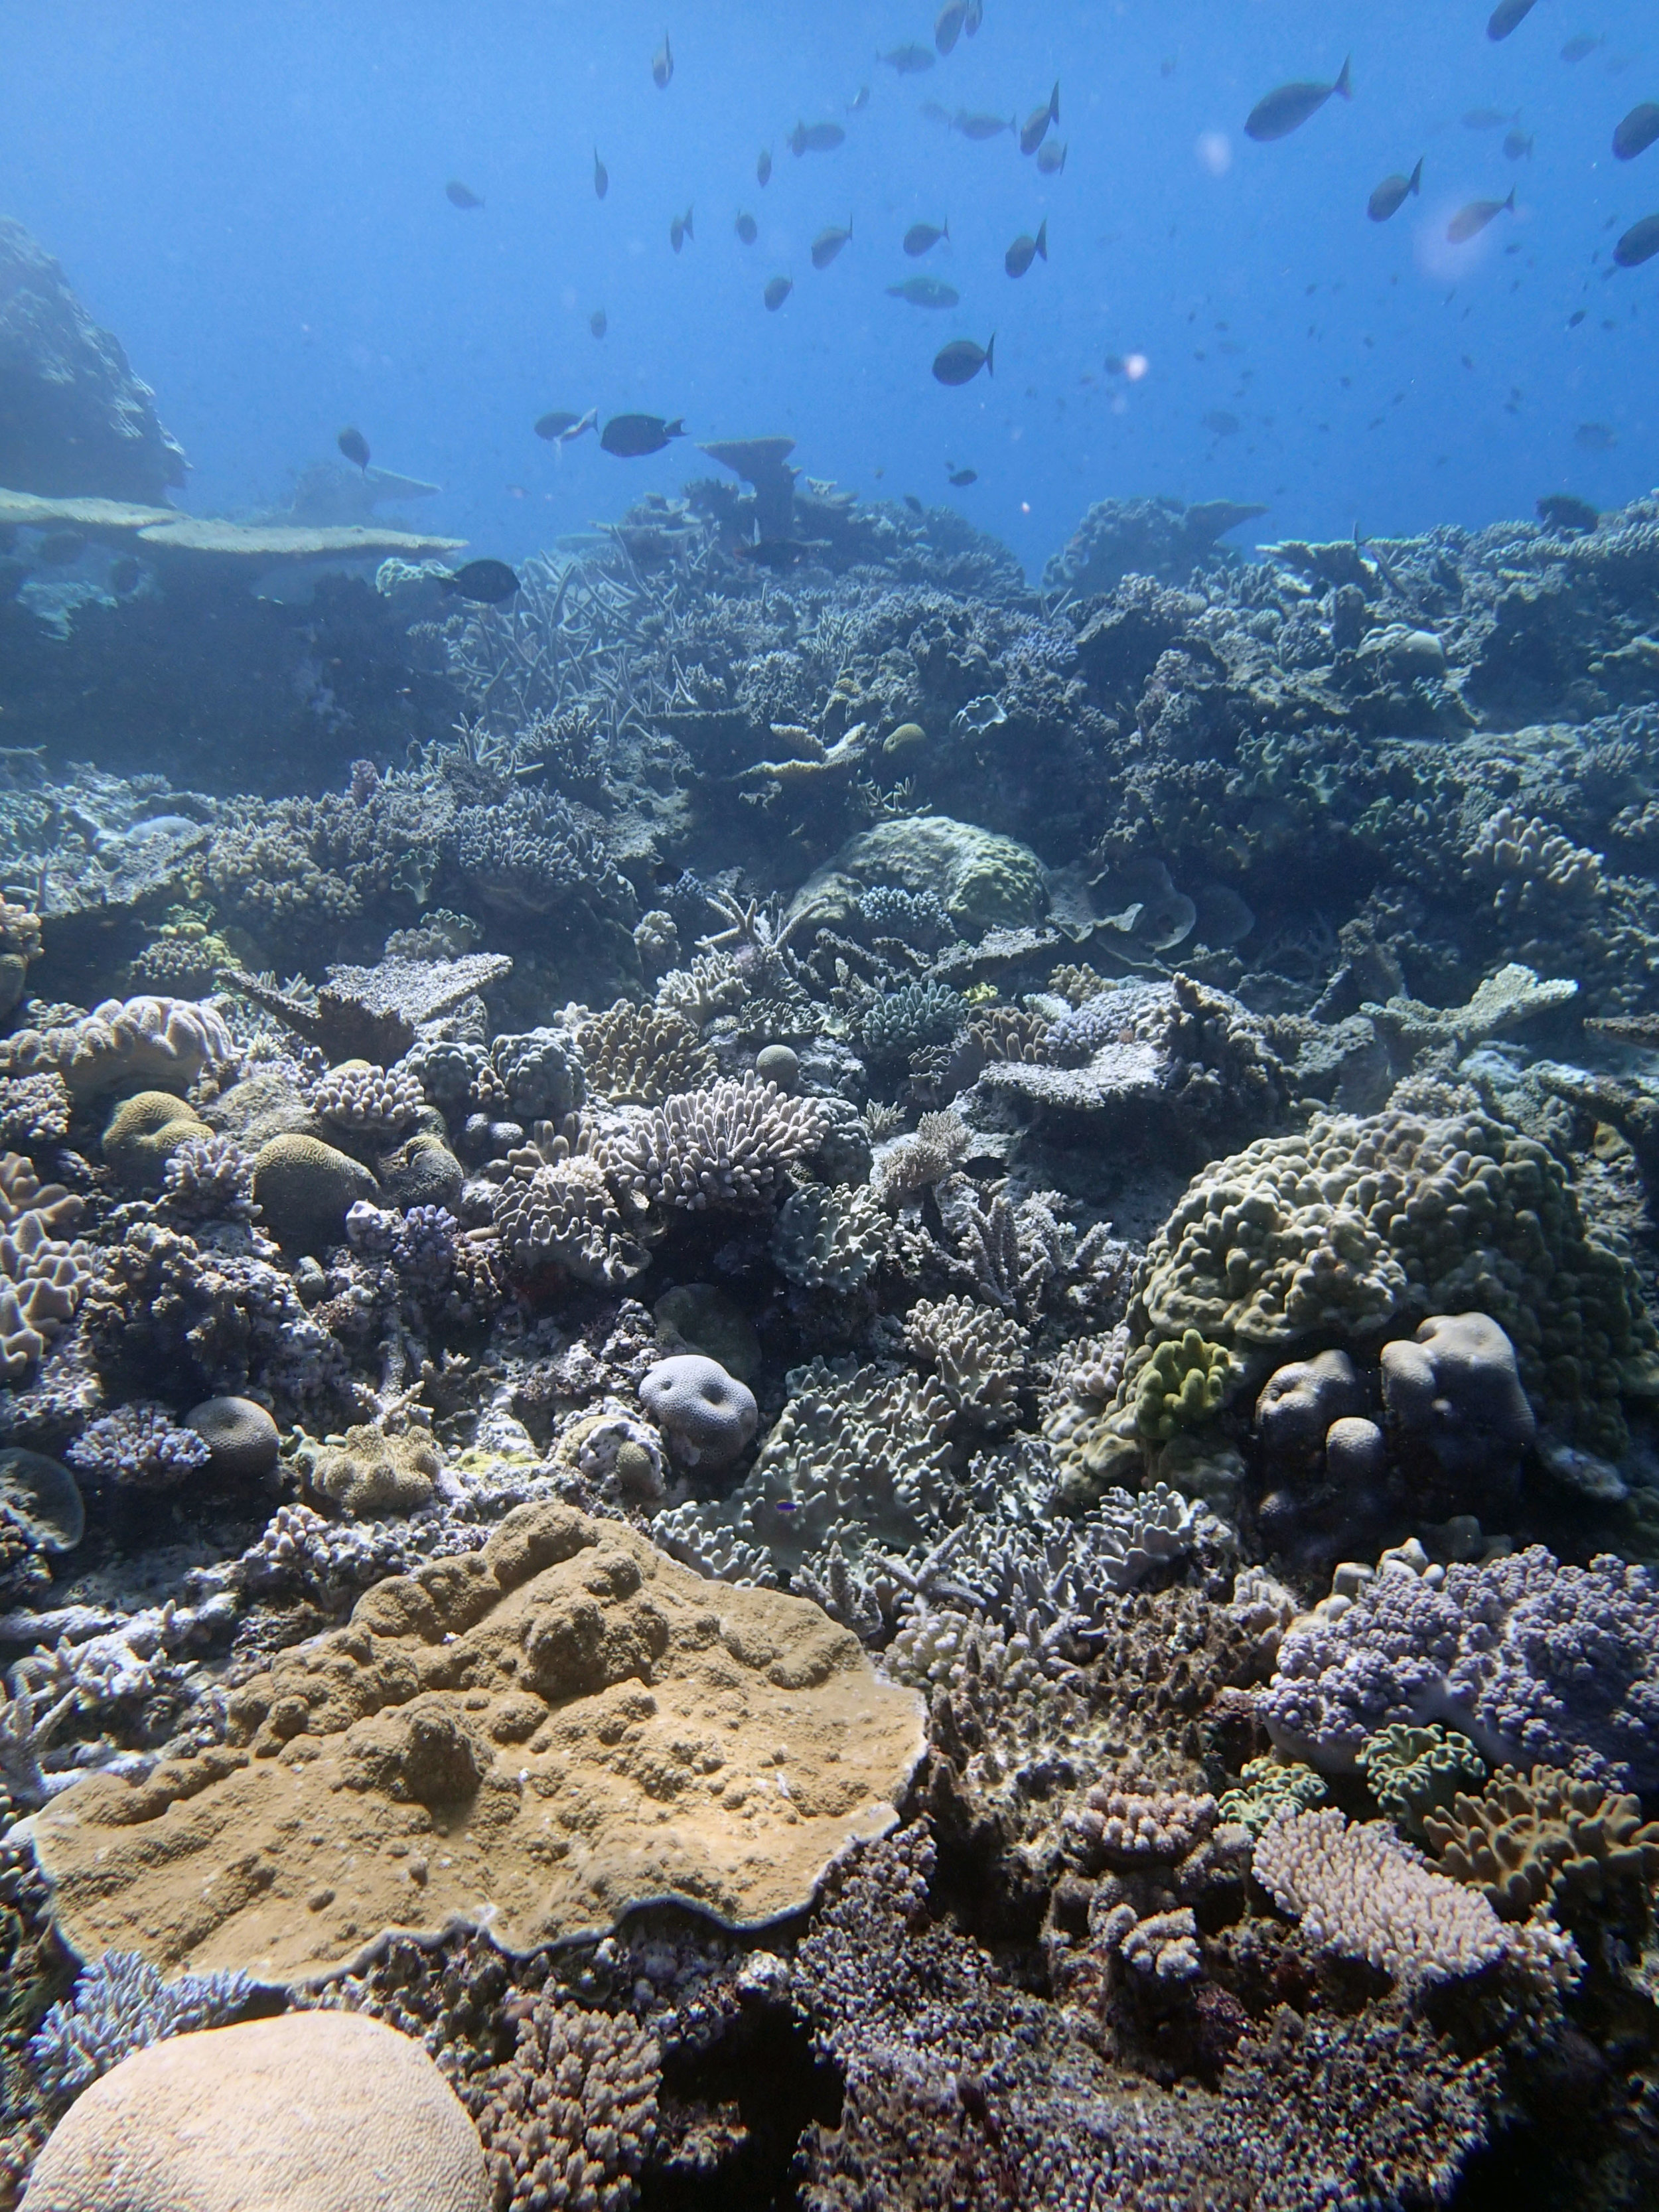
pixel 730 1145
pixel 638 1055
pixel 978 1354
pixel 571 2116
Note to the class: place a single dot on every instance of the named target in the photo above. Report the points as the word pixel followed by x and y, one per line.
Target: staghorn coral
pixel 1531 1838
pixel 978 1354
pixel 730 1145
pixel 529 854
pixel 138 1447
pixel 367 1101
pixel 639 1056
pixel 501 1696
pixel 571 2117
pixel 121 2004
pixel 1358 1891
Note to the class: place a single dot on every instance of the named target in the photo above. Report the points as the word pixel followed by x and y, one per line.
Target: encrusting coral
pixel 491 1740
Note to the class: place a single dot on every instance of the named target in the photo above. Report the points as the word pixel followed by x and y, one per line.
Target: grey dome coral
pixel 707 1415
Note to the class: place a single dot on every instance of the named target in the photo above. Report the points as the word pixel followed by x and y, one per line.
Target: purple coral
pixel 138 1447
pixel 1536 1660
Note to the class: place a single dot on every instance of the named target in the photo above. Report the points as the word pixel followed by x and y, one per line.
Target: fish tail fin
pixel 1414 182
pixel 1345 83
pixel 1509 203
pixel 1053 103
pixel 1042 240
pixel 990 356
pixel 689 231
pixel 676 429
pixel 946 229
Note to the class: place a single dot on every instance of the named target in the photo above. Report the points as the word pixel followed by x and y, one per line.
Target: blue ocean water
pixel 254 197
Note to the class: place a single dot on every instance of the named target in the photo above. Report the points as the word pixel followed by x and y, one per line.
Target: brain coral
pixel 329 2111
pixel 531 1738
pixel 1359 1222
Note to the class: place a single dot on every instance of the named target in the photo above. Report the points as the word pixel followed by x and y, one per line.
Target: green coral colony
pixel 845 1379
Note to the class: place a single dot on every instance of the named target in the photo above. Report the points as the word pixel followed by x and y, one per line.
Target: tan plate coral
pixel 530 1739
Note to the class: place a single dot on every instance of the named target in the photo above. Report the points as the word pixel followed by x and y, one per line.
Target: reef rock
pixel 73 417
pixel 984 881
pixel 532 1739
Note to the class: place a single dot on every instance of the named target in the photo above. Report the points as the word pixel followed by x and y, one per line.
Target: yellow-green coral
pixel 1268 1787
pixel 1413 1772
pixel 1181 1386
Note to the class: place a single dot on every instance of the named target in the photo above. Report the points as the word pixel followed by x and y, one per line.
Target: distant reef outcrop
pixel 74 419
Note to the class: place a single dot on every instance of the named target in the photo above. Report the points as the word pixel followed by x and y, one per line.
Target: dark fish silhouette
pixel 630 437
pixel 1393 192
pixel 1576 317
pixel 1637 132
pixel 909 61
pixel 829 242
pixel 1563 511
pixel 353 444
pixel 815 138
pixel 948 24
pixel 1508 15
pixel 662 64
pixel 1220 424
pixel 778 289
pixel 461 195
pixel 124 574
pixel 1581 48
pixel 1639 243
pixel 747 228
pixel 925 292
pixel 763 166
pixel 680 229
pixel 976 17
pixel 564 426
pixel 599 322
pixel 1487 119
pixel 601 176
pixel 1025 250
pixel 961 362
pixel 1595 437
pixel 980 126
pixel 961 476
pixel 914 503
pixel 922 237
pixel 490 582
pixel 1289 106
pixel 1051 158
pixel 775 553
pixel 1518 145
pixel 1035 128
pixel 1471 219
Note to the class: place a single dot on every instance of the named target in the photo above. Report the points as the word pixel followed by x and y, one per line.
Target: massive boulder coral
pixel 984 881
pixel 327 2110
pixel 531 1738
pixel 1360 1223
pixel 159 1043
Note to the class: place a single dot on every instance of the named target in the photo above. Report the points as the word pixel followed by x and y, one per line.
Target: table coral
pixel 532 1738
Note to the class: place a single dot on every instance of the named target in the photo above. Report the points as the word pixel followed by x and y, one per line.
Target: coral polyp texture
pixel 855 1373
pixel 449 1784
